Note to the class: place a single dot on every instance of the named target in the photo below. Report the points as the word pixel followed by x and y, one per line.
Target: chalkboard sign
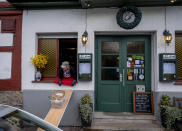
pixel 143 103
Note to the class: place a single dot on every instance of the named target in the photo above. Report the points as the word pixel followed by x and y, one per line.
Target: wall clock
pixel 129 17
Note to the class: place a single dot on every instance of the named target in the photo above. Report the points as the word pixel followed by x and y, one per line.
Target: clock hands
pixel 128 16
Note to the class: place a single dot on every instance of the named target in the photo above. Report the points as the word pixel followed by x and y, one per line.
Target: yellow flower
pixel 39 61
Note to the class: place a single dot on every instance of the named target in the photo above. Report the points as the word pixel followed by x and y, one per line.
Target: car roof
pixel 5 110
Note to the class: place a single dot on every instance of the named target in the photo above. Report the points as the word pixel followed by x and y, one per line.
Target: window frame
pixel 50 79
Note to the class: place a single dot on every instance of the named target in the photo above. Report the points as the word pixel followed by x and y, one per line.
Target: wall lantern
pixel 84 37
pixel 172 1
pixel 85 34
pixel 167 37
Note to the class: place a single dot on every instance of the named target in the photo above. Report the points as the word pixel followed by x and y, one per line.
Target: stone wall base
pixel 12 98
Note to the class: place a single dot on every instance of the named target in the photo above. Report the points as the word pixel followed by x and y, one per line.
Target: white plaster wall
pixel 6 39
pixel 99 20
pixel 5 65
pixel 3 0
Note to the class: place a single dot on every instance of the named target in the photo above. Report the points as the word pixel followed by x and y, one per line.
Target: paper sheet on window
pixel 84 68
pixel 169 68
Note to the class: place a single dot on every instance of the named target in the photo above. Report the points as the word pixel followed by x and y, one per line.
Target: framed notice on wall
pixel 167 67
pixel 85 66
pixel 143 103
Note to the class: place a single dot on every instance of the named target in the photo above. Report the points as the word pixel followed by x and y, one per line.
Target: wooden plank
pixel 55 115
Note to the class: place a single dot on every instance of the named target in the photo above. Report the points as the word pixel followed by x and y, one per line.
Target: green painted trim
pixel 96 71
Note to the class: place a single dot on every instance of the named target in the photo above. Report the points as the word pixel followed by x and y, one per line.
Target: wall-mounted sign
pixel 129 17
pixel 143 103
pixel 85 66
pixel 167 67
pixel 140 88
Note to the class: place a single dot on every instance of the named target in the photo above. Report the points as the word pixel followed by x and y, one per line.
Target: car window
pixel 14 119
pixel 14 123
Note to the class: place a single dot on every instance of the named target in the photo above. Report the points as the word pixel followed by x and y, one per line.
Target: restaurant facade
pixel 121 55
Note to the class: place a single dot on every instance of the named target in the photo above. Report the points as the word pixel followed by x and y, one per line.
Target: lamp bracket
pixel 86 3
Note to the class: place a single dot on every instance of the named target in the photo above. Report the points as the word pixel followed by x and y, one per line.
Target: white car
pixel 14 119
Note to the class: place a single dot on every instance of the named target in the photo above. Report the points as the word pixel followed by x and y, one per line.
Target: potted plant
pixel 178 124
pixel 86 110
pixel 172 116
pixel 39 61
pixel 164 102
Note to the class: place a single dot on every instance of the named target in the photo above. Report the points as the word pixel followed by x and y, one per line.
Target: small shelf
pixel 51 80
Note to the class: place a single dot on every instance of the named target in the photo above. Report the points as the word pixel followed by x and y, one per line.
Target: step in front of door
pixel 124 122
pixel 122 116
pixel 114 126
pixel 125 127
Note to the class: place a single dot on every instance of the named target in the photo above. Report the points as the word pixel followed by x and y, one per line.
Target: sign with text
pixel 143 103
pixel 85 66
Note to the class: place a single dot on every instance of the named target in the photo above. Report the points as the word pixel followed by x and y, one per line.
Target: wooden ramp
pixel 55 115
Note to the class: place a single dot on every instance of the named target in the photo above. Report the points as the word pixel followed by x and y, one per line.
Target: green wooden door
pixel 122 63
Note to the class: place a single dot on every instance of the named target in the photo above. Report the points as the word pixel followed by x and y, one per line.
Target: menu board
pixel 143 103
pixel 85 66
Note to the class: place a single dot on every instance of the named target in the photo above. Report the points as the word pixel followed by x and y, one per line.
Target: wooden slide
pixel 55 115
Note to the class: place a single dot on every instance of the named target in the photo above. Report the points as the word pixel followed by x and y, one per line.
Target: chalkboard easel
pixel 143 103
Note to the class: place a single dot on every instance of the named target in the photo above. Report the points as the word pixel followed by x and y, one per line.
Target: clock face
pixel 128 17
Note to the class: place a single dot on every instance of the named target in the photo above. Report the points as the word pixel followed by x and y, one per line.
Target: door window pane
pixel 110 61
pixel 110 74
pixel 135 61
pixel 135 74
pixel 110 47
pixel 135 47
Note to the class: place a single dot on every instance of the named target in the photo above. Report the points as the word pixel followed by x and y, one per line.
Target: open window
pixel 57 50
